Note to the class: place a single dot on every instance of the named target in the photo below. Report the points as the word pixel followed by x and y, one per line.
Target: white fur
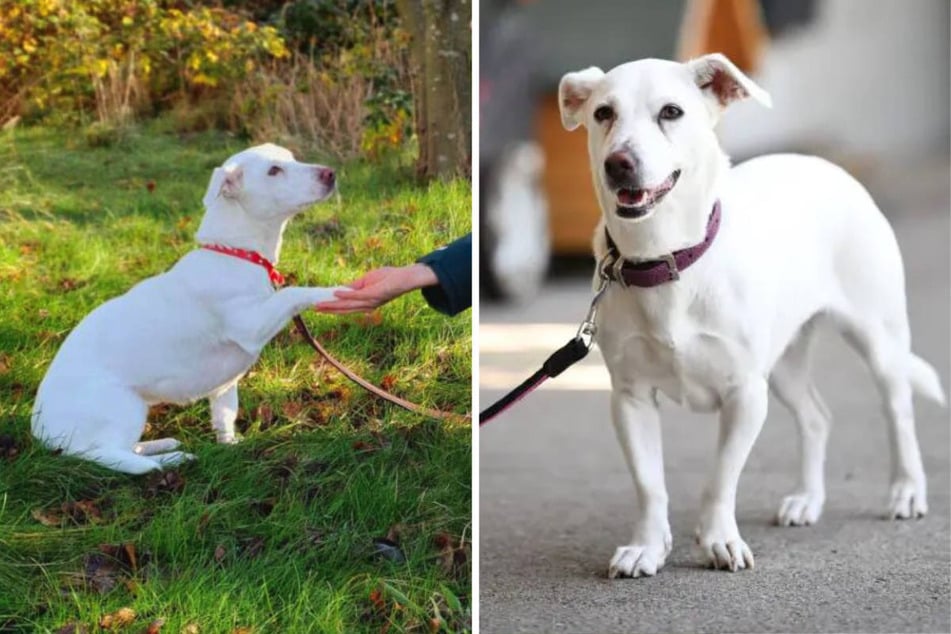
pixel 186 334
pixel 801 244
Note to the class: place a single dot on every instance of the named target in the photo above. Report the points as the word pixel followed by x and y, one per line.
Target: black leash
pixel 563 358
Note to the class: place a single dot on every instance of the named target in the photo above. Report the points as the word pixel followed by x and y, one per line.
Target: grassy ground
pixel 277 534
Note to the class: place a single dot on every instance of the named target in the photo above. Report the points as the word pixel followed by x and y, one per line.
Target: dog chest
pixel 681 353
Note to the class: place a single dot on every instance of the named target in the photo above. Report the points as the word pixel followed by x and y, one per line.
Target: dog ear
pixel 723 83
pixel 573 91
pixel 225 181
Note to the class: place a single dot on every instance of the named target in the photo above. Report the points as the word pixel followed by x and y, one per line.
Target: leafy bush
pixel 345 91
pixel 117 56
pixel 329 74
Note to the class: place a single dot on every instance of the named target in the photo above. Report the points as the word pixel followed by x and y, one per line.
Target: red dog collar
pixel 251 256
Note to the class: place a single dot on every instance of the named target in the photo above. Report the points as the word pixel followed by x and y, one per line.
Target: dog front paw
pixel 719 542
pixel 229 439
pixel 907 500
pixel 800 509
pixel 638 560
pixel 725 553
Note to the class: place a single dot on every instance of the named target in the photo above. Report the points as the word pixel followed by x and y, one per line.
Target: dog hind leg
pixel 152 447
pixel 123 460
pixel 792 386
pixel 172 458
pixel 890 359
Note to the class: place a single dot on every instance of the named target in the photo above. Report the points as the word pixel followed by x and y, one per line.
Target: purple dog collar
pixel 656 272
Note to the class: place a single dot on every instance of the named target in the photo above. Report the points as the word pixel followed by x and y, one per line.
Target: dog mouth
pixel 637 203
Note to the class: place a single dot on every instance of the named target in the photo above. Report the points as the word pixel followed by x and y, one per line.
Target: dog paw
pixel 800 509
pixel 637 560
pixel 725 554
pixel 718 540
pixel 907 500
pixel 229 439
pixel 173 458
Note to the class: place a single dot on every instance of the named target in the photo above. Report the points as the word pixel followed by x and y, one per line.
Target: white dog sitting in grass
pixel 189 333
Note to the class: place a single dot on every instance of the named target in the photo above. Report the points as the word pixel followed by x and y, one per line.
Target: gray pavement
pixel 556 498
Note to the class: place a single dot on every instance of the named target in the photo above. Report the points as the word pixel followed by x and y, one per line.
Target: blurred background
pixel 864 83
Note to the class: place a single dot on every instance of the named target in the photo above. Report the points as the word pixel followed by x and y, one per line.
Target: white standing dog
pixel 189 333
pixel 800 244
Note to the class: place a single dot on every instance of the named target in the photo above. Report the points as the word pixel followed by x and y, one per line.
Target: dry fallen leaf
pixel 124 554
pixel 220 553
pixel 73 628
pixel 120 618
pixel 164 482
pixel 396 532
pixel 364 447
pixel 453 558
pixel 292 409
pixel 373 318
pixel 82 512
pixel 388 382
pixel 103 570
pixel 154 627
pixel 191 628
pixel 68 284
pixel 264 413
pixel 47 517
pixel 5 363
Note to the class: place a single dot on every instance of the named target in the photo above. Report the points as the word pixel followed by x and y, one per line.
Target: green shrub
pixel 117 57
pixel 328 75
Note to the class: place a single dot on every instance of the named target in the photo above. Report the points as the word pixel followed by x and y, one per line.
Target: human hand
pixel 378 287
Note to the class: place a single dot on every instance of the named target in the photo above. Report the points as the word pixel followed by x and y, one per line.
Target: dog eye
pixel 603 113
pixel 670 112
pixel 274 171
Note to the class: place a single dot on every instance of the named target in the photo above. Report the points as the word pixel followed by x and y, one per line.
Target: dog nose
pixel 326 176
pixel 619 167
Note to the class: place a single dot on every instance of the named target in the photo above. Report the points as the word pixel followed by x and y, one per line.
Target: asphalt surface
pixel 556 497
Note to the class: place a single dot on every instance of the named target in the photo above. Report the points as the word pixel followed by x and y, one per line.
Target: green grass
pixel 274 534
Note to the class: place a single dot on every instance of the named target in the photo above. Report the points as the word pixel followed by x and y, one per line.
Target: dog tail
pixel 925 380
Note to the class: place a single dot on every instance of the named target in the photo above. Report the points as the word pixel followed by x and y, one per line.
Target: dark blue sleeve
pixel 452 265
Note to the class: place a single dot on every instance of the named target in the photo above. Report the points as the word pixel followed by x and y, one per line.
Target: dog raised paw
pixel 637 560
pixel 907 500
pixel 800 509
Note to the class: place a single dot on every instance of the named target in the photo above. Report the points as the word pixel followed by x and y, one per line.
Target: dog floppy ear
pixel 225 181
pixel 723 83
pixel 573 91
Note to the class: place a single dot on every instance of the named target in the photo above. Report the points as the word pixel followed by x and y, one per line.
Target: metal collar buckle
pixel 671 266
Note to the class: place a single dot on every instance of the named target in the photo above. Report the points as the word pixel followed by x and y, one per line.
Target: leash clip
pixel 588 327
